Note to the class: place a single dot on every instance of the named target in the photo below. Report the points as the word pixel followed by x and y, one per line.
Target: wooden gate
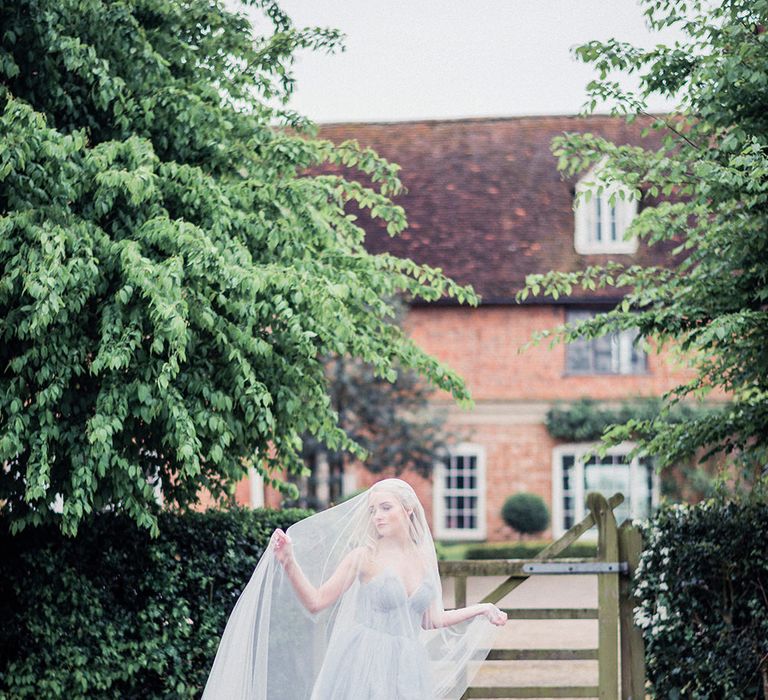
pixel 619 653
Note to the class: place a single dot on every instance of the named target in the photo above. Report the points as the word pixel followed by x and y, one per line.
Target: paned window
pixel 601 222
pixel 575 475
pixel 568 485
pixel 614 353
pixel 459 494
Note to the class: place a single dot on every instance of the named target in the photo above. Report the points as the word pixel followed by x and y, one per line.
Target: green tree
pixel 170 275
pixel 711 172
pixel 392 421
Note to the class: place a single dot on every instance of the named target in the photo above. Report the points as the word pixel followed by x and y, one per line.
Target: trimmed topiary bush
pixel 525 512
pixel 702 588
pixel 112 613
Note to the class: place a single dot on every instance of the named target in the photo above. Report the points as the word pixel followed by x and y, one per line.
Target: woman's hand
pixel 283 547
pixel 495 616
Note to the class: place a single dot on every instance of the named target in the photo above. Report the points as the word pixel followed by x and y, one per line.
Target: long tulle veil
pixel 274 649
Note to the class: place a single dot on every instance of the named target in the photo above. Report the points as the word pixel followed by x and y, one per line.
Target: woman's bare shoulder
pixel 359 559
pixel 358 554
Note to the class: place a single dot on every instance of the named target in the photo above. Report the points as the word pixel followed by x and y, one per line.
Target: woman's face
pixel 387 513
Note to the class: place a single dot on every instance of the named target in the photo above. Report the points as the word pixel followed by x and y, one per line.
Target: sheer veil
pixel 274 648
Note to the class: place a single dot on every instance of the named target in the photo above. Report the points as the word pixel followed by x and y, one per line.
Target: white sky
pixel 437 59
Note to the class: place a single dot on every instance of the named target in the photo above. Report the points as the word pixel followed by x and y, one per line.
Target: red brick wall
pixel 518 458
pixel 512 391
pixel 242 496
pixel 483 345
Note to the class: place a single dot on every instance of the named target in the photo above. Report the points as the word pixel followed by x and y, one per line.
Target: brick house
pixel 486 204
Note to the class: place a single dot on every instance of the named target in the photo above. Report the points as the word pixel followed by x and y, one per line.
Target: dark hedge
pixel 702 587
pixel 526 550
pixel 115 614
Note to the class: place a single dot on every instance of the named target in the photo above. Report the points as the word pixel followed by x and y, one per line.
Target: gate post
pixel 607 598
pixel 632 647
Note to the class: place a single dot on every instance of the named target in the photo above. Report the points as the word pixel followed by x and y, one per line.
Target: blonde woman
pixel 349 607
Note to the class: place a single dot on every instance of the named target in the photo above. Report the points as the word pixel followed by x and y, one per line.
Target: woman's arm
pixel 312 598
pixel 446 618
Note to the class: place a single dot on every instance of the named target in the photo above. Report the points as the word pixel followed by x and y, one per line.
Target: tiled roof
pixel 485 201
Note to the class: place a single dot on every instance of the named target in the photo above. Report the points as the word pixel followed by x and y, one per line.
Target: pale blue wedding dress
pixel 374 642
pixel 380 657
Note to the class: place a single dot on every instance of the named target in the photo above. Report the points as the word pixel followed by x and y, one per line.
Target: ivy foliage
pixel 113 613
pixel 711 172
pixel 587 420
pixel 702 594
pixel 170 274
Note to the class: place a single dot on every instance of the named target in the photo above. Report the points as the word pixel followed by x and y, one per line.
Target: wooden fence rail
pixel 619 653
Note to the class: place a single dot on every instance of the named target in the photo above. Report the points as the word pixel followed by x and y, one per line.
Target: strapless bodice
pixel 386 606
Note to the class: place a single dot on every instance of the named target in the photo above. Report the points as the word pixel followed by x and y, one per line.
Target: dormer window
pixel 602 222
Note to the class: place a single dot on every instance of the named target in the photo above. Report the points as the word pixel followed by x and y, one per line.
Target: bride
pixel 347 605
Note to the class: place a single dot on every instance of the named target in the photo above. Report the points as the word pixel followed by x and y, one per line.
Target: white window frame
pixel 256 483
pixel 439 493
pixel 348 481
pixel 622 213
pixel 578 451
pixel 156 481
